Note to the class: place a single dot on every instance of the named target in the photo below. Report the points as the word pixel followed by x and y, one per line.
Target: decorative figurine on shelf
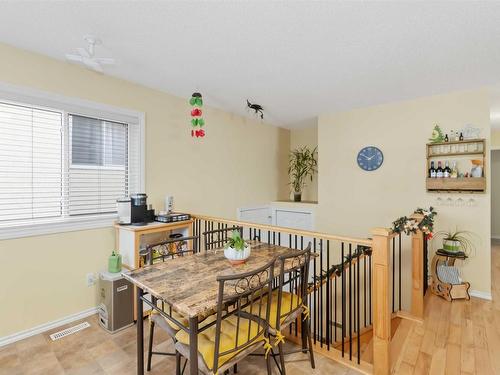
pixel 437 135
pixel 197 121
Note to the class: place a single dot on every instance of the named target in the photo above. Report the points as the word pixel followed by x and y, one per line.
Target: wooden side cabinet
pixel 129 238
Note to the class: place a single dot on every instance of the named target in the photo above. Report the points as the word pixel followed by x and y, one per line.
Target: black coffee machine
pixel 139 213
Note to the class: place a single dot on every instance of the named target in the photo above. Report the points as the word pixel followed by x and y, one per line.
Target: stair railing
pixel 351 288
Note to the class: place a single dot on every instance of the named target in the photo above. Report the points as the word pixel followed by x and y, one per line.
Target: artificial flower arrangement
pixel 409 225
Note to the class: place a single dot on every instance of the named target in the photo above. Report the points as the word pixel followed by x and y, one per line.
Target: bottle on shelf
pixel 446 170
pixel 439 171
pixel 452 135
pixel 432 171
pixel 446 139
pixel 454 170
pixel 461 137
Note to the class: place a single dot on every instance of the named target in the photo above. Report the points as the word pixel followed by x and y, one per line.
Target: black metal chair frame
pixel 246 291
pixel 298 277
pixel 149 259
pixel 208 236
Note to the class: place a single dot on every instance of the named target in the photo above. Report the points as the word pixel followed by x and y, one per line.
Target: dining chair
pixel 291 304
pixel 232 334
pixel 218 237
pixel 161 252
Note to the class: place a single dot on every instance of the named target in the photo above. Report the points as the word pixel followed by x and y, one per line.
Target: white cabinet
pixel 258 215
pixel 291 218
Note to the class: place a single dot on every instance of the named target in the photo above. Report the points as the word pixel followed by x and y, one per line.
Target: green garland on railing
pixel 408 225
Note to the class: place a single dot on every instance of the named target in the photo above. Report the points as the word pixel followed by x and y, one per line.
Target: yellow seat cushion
pixel 248 330
pixel 287 305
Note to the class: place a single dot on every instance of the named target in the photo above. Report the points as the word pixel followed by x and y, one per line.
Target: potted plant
pixel 236 250
pixel 302 165
pixel 457 241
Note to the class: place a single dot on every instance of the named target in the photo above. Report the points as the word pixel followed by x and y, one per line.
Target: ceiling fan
pixel 86 56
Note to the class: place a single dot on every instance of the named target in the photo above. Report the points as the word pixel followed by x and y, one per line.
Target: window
pixel 30 163
pixel 98 170
pixel 65 164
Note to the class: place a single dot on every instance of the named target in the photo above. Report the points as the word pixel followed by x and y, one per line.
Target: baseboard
pixel 479 294
pixel 46 326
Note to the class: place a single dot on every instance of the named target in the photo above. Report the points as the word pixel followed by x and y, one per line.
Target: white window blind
pixel 57 166
pixel 98 166
pixel 30 163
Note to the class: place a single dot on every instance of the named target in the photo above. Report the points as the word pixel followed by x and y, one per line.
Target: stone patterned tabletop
pixel 189 284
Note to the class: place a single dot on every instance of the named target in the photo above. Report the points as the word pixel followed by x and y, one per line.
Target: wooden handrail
pixel 298 232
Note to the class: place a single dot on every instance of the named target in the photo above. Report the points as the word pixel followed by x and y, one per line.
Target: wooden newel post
pixel 382 313
pixel 417 251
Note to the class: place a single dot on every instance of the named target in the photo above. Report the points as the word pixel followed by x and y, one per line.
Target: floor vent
pixel 69 331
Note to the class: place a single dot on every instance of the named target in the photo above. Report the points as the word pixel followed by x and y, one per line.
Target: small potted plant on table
pixel 457 241
pixel 236 250
pixel 302 165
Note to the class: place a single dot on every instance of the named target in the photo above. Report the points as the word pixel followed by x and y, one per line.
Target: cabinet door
pixel 258 215
pixel 294 219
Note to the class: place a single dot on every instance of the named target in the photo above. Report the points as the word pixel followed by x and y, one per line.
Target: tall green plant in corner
pixel 302 165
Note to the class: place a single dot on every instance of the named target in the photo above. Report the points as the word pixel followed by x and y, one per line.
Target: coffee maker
pixel 138 209
pixel 134 210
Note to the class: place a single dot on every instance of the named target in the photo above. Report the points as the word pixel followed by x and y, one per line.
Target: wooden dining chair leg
pixel 235 368
pixel 150 346
pixel 307 325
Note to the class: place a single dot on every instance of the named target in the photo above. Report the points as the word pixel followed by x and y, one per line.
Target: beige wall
pixel 495 193
pixel 352 201
pixel 495 138
pixel 306 137
pixel 240 162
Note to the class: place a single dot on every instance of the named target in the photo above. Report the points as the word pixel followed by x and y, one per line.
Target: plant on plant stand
pixel 457 241
pixel 236 250
pixel 302 165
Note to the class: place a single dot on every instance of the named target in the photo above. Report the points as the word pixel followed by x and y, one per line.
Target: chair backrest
pixel 216 238
pixel 294 276
pixel 246 322
pixel 168 249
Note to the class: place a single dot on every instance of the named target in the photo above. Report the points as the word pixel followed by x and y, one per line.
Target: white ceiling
pixel 297 59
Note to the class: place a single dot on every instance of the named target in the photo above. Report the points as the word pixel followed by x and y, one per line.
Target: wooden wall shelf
pixel 457 151
pixel 472 184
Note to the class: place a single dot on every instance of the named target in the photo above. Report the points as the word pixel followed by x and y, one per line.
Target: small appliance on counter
pixel 134 210
pixel 124 211
pixel 116 307
pixel 169 204
pixel 164 217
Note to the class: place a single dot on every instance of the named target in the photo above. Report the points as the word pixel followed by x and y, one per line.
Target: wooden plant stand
pixel 446 290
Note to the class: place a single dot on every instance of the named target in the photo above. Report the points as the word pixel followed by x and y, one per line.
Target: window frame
pixel 75 106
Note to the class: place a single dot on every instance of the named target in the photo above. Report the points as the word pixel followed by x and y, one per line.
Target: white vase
pixel 237 256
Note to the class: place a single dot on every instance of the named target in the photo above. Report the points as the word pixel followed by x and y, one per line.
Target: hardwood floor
pixel 458 338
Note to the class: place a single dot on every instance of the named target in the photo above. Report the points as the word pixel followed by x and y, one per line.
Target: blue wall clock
pixel 370 158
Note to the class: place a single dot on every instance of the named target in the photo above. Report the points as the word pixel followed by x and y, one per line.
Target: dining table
pixel 188 285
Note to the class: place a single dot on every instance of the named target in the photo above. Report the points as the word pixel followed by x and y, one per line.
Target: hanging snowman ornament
pixel 197 121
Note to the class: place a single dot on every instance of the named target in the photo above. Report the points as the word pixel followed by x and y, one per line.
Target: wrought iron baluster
pixel 358 309
pixel 350 301
pixel 399 290
pixel 343 299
